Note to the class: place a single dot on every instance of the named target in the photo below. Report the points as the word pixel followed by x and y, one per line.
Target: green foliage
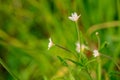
pixel 26 25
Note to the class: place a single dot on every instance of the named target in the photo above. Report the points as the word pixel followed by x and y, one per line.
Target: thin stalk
pixel 78 38
pixel 63 48
pixel 71 76
pixel 103 26
pixel 88 73
pixel 98 38
pixel 98 58
pixel 70 73
pixel 11 73
pixel 59 46
pixel 99 68
pixel 78 33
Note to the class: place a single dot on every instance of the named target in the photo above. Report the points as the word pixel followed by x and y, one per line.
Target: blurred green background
pixel 26 25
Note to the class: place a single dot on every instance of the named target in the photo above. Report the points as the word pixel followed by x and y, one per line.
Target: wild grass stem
pixel 99 69
pixel 10 72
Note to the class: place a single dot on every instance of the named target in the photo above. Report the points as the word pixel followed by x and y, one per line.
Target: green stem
pixel 98 38
pixel 88 74
pixel 78 38
pixel 78 33
pixel 59 46
pixel 103 26
pixel 98 59
pixel 71 76
pixel 99 68
pixel 11 73
pixel 63 48
pixel 70 73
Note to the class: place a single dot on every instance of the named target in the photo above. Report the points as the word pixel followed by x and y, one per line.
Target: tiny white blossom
pixel 50 43
pixel 84 47
pixel 96 33
pixel 74 17
pixel 95 53
pixel 80 47
pixel 77 46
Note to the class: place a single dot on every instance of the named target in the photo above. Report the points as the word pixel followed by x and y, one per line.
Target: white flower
pixel 74 16
pixel 84 47
pixel 77 46
pixel 50 44
pixel 96 33
pixel 95 53
pixel 80 47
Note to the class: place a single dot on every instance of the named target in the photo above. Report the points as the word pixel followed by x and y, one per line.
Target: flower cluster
pixel 79 47
pixel 81 51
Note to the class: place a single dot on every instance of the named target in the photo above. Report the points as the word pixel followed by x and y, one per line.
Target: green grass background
pixel 26 25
